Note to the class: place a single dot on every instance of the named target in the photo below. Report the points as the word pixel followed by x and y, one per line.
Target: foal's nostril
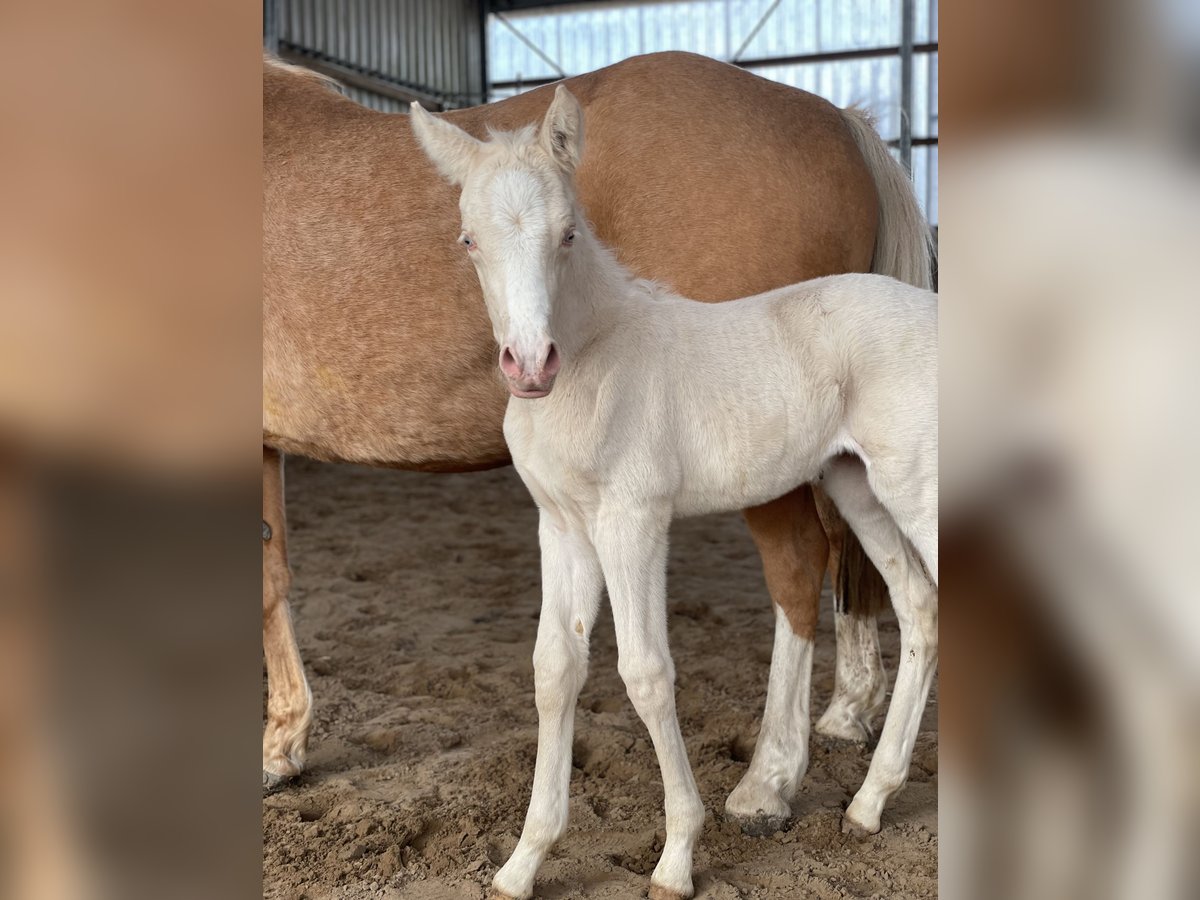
pixel 552 361
pixel 509 364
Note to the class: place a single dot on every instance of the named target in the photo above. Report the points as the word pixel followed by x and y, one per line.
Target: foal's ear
pixel 451 149
pixel 562 129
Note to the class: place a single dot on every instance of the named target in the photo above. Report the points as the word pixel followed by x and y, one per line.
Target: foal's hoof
pixel 862 816
pixel 757 808
pixel 658 892
pixel 858 829
pixel 761 825
pixel 273 782
pixel 843 725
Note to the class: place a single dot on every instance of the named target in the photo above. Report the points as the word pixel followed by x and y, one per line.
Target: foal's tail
pixel 903 250
pixel 902 238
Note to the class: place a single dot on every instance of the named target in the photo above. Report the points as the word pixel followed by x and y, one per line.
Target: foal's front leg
pixel 632 545
pixel 571 585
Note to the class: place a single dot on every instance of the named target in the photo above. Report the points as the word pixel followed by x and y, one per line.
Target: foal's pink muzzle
pixel 529 375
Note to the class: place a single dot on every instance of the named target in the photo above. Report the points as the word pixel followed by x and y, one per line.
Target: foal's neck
pixel 596 288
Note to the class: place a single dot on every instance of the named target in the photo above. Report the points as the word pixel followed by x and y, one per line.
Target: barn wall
pixel 386 52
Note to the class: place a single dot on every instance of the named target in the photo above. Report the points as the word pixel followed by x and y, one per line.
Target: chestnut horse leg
pixel 794 552
pixel 289 701
pixel 859 593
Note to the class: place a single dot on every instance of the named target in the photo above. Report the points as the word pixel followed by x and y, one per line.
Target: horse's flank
pixel 377 348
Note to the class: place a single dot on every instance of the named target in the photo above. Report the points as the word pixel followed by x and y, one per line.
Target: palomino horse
pixel 631 407
pixel 377 348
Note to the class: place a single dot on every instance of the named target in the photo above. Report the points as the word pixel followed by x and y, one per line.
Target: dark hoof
pixel 855 830
pixel 658 892
pixel 760 826
pixel 273 782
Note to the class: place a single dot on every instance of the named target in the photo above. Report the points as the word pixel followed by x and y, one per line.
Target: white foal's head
pixel 518 226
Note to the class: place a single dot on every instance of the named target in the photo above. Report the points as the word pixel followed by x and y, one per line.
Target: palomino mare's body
pixel 377 348
pixel 632 407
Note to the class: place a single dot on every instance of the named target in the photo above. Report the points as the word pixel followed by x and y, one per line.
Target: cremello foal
pixel 632 406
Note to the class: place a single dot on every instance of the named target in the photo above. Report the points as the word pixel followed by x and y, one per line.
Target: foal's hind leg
pixel 792 544
pixel 915 602
pixel 289 701
pixel 859 593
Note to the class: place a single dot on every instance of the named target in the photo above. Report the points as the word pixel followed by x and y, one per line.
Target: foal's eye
pixel 467 241
pixel 569 237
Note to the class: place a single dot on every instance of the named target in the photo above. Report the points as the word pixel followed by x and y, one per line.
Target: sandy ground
pixel 416 600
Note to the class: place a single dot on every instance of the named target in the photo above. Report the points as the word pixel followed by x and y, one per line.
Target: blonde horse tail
pixel 903 248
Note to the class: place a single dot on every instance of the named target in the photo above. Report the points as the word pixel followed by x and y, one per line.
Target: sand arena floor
pixel 416 601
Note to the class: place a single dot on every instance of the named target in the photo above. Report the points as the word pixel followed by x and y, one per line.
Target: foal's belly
pixel 740 488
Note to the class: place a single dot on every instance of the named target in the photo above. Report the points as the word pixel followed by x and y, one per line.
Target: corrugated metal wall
pixel 386 52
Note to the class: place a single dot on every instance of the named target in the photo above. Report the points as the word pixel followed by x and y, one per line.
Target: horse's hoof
pixel 842 725
pixel 658 892
pixel 757 808
pixel 273 782
pixel 857 829
pixel 495 892
pixel 761 825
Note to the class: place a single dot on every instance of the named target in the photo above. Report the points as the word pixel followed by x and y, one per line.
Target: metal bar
pixel 532 46
pixel 391 54
pixel 453 42
pixel 931 73
pixel 755 30
pixel 484 74
pixel 295 19
pixel 908 17
pixel 374 33
pixel 271 25
pixel 446 78
pixel 801 59
pixel 420 60
pixel 408 70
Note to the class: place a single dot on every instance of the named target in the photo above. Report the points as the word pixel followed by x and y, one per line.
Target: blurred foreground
pixel 129 654
pixel 1070 629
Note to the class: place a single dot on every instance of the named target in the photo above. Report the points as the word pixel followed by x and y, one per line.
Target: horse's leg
pixel 859 592
pixel 632 545
pixel 289 701
pixel 915 602
pixel 792 544
pixel 571 586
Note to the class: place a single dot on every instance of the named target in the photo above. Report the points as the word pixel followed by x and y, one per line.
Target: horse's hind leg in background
pixel 794 550
pixel 859 594
pixel 914 598
pixel 289 701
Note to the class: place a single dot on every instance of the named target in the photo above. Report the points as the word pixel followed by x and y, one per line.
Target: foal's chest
pixel 560 463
